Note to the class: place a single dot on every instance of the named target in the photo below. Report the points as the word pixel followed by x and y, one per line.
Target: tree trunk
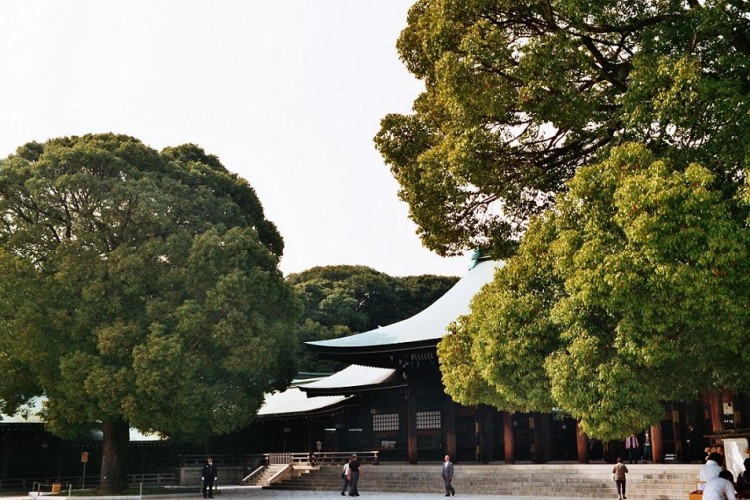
pixel 114 476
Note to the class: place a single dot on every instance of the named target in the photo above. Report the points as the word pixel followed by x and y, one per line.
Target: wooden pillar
pixel 4 455
pixel 450 428
pixel 310 448
pixel 737 410
pixel 338 434
pixel 510 456
pixel 582 444
pixel 717 411
pixel 657 444
pixel 485 441
pixel 740 409
pixel 611 451
pixel 677 435
pixel 542 437
pixel 411 425
pixel 261 442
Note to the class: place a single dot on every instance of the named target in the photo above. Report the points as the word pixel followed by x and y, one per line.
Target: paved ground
pixel 333 495
pixel 251 492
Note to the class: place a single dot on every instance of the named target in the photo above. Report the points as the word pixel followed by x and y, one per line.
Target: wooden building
pixel 392 400
pixel 28 450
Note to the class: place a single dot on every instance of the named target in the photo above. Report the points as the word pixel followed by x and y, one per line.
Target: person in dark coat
pixel 743 481
pixel 208 477
pixel 448 476
pixel 632 445
pixel 354 472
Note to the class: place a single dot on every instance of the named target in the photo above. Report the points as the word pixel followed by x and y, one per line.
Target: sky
pixel 288 94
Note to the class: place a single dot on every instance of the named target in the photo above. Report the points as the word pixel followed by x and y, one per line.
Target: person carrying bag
pixel 346 475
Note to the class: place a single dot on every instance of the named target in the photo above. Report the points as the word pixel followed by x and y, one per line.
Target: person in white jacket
pixel 720 487
pixel 712 467
pixel 346 476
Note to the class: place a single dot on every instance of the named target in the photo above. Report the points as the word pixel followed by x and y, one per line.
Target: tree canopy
pixel 342 300
pixel 631 291
pixel 602 148
pixel 520 94
pixel 138 288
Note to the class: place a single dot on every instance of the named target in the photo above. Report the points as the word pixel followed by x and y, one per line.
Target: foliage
pixel 342 300
pixel 138 287
pixel 520 94
pixel 631 291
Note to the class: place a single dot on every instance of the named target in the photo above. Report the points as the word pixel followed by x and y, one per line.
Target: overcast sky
pixel 287 93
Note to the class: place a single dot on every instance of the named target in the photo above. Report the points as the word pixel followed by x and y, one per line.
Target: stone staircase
pixel 263 478
pixel 645 481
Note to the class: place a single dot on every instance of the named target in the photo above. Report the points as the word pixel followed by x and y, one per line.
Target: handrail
pixel 320 458
pixel 200 460
pixel 272 479
pixel 339 457
pixel 253 473
pixel 36 483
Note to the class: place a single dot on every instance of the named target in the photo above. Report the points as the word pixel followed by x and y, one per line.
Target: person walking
pixel 647 456
pixel 448 476
pixel 631 445
pixel 619 472
pixel 354 472
pixel 691 444
pixel 209 476
pixel 346 475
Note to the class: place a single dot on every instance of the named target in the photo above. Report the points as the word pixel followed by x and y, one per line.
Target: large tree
pixel 519 94
pixel 138 289
pixel 633 290
pixel 342 300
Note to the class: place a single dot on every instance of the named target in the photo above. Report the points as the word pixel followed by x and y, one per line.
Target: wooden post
pixel 484 416
pixel 338 434
pixel 309 436
pixel 543 437
pixel 510 456
pixel 582 444
pixel 737 410
pixel 676 434
pixel 717 411
pixel 657 444
pixel 450 428
pixel 738 401
pixel 411 425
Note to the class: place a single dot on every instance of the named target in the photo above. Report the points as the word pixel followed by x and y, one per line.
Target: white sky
pixel 287 93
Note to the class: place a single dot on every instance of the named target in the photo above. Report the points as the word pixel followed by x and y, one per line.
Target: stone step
pixel 645 481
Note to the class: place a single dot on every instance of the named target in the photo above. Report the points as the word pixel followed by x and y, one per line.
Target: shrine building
pixel 391 399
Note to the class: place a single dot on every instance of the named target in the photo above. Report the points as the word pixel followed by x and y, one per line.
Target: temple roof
pixel 30 413
pixel 354 379
pixel 422 330
pixel 326 394
pixel 293 401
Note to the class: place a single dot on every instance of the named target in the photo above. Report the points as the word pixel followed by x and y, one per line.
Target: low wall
pixel 229 474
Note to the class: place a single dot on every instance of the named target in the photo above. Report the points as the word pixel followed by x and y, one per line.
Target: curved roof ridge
pixel 428 325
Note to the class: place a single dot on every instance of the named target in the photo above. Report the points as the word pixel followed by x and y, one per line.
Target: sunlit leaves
pixel 631 292
pixel 518 95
